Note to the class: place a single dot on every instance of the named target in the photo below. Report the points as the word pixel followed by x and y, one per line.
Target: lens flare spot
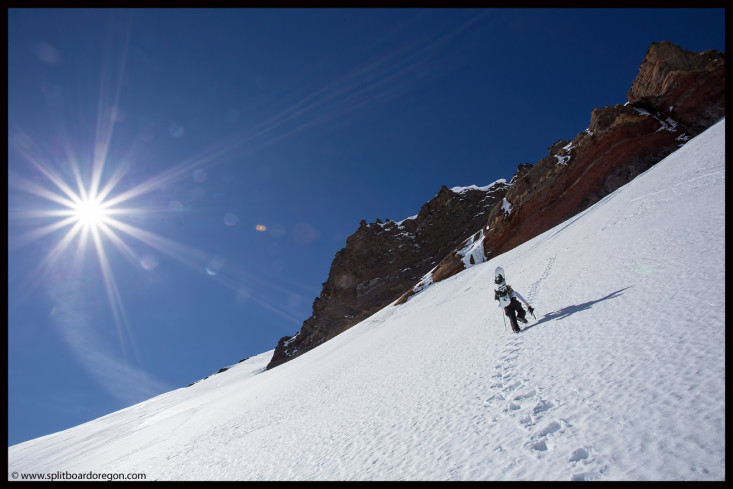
pixel 260 228
pixel 199 176
pixel 47 53
pixel 215 266
pixel 149 262
pixel 230 219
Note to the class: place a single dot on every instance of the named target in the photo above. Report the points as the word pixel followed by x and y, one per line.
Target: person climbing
pixel 507 298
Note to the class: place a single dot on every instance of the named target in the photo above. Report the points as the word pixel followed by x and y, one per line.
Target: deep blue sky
pixel 205 124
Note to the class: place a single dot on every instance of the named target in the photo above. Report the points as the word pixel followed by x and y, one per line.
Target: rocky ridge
pixel 383 259
pixel 676 95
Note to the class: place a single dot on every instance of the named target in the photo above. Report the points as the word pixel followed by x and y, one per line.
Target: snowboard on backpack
pixel 502 291
pixel 499 276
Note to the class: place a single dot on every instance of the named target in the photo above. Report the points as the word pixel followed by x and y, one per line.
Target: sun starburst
pixel 90 212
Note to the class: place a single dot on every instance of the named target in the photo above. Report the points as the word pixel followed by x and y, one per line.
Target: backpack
pixel 504 295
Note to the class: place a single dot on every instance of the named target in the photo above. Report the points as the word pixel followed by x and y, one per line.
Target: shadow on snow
pixel 570 310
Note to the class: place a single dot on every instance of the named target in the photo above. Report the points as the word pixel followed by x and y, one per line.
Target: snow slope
pixel 622 375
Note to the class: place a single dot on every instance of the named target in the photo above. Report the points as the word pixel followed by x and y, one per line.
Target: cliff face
pixel 382 260
pixel 685 86
pixel 676 95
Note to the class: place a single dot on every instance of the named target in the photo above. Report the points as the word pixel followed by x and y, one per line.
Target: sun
pixel 90 213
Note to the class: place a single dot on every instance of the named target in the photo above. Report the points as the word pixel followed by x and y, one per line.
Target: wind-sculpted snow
pixel 621 376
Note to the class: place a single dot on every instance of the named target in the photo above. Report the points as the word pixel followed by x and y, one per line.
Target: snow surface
pixel 506 206
pixel 620 377
pixel 485 188
pixel 472 252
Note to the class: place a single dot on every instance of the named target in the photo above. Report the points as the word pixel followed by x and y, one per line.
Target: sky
pixel 179 181
pixel 616 378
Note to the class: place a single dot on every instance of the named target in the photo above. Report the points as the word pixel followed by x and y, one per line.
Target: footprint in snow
pixel 540 446
pixel 512 407
pixel 541 407
pixel 578 455
pixel 496 397
pixel 550 428
pixel 585 476
pixel 526 395
pixel 539 442
pixel 530 419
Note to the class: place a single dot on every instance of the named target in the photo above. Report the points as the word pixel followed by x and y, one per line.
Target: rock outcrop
pixel 676 95
pixel 684 86
pixel 383 259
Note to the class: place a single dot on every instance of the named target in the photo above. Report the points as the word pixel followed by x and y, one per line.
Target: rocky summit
pixel 676 95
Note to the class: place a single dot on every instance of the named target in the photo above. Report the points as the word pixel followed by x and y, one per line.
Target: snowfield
pixel 620 377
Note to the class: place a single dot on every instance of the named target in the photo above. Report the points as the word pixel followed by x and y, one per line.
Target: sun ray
pixel 79 181
pixel 234 284
pixel 205 159
pixel 119 172
pixel 39 213
pixel 52 176
pixel 41 271
pixel 40 232
pixel 114 298
pixel 184 254
pixel 61 245
pixel 119 243
pixel 36 189
pixel 81 246
pixel 190 257
pixel 105 123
